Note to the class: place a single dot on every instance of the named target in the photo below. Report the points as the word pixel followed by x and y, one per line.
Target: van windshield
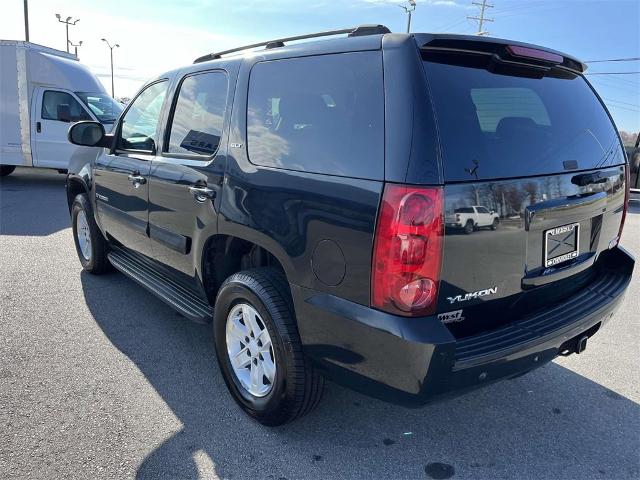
pixel 105 108
pixel 494 125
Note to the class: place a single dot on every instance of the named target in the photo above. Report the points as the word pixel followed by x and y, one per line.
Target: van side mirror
pixel 64 113
pixel 89 134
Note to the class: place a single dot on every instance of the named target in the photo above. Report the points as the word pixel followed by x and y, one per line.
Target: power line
pixel 481 19
pixel 631 59
pixel 620 101
pixel 613 73
pixel 525 10
pixel 622 108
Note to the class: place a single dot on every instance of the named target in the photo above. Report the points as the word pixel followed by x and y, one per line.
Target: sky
pixel 159 35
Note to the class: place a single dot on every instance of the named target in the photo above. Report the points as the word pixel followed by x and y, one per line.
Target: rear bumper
pixel 413 361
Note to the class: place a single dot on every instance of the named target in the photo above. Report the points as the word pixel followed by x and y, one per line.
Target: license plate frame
pixel 565 234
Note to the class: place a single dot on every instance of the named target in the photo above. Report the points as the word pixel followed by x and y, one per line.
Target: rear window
pixel 494 125
pixel 322 114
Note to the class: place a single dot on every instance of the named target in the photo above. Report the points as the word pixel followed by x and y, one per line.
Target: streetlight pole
pixel 111 49
pixel 409 9
pixel 67 22
pixel 26 20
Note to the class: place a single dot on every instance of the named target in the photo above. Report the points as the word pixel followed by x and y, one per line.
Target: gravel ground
pixel 98 379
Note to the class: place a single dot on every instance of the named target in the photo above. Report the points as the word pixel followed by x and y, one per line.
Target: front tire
pixel 259 349
pixel 91 245
pixel 495 223
pixel 6 170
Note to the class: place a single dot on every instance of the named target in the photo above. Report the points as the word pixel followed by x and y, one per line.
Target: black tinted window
pixel 494 125
pixel 199 114
pixel 320 114
pixel 464 210
pixel 140 123
pixel 55 104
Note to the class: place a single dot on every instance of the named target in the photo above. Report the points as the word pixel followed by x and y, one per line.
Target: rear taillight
pixel 407 252
pixel 627 191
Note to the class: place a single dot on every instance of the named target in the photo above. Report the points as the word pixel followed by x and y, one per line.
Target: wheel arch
pixel 75 185
pixel 223 255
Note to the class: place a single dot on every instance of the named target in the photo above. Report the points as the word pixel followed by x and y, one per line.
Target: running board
pixel 185 301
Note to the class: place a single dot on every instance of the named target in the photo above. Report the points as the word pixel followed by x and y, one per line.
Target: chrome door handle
pixel 137 180
pixel 202 194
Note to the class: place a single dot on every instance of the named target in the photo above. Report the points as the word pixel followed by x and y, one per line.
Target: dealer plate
pixel 561 244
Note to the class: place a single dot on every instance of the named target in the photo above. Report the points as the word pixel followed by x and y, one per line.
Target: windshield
pixel 105 108
pixel 495 125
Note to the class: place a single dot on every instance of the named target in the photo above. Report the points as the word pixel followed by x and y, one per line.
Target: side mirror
pixel 64 113
pixel 89 134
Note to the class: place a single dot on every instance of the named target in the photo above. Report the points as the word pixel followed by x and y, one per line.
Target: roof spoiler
pixel 505 51
pixel 358 31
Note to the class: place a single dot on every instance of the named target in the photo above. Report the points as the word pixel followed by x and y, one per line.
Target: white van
pixel 43 90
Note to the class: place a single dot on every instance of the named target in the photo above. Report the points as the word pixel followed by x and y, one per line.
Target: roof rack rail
pixel 358 31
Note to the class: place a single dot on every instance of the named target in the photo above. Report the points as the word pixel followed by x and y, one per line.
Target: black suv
pixel 296 197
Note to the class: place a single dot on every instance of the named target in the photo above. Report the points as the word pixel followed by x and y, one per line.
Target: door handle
pixel 202 193
pixel 137 180
pixel 38 127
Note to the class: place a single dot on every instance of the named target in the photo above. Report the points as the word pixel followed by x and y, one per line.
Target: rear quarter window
pixel 321 114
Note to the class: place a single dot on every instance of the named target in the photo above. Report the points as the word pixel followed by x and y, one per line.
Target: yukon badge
pixel 472 295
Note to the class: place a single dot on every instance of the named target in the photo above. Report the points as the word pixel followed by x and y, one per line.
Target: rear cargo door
pixel 535 149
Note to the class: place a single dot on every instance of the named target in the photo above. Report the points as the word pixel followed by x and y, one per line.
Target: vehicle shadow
pixel 33 190
pixel 550 423
pixel 634 206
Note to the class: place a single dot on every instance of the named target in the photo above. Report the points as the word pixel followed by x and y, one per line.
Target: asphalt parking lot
pixel 98 379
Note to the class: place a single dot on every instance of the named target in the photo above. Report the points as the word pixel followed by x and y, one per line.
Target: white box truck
pixel 43 90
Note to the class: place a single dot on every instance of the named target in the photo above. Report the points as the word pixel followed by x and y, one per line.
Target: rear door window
pixel 196 127
pixel 494 125
pixel 322 114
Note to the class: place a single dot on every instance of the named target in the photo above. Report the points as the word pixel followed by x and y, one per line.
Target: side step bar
pixel 185 301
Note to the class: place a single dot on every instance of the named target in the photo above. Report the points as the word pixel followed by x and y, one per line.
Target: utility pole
pixel 26 20
pixel 76 45
pixel 67 22
pixel 409 9
pixel 481 19
pixel 111 48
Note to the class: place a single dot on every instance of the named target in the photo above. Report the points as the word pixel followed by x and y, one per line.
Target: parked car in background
pixel 295 197
pixel 43 90
pixel 473 217
pixel 633 154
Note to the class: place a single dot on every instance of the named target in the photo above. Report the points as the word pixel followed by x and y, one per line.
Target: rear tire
pixel 296 387
pixel 468 227
pixel 91 245
pixel 6 170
